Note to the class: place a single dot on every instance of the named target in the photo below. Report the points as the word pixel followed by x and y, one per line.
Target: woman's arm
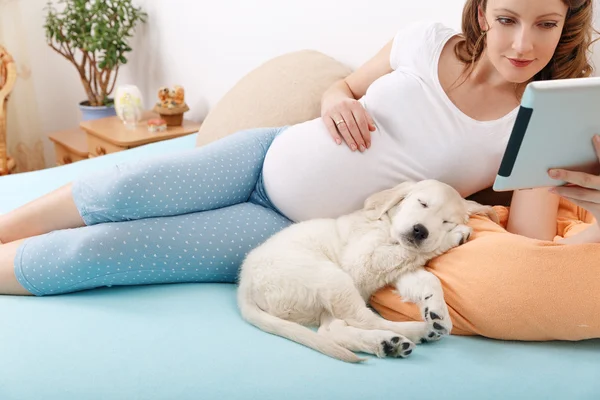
pixel 343 115
pixel 583 190
pixel 533 213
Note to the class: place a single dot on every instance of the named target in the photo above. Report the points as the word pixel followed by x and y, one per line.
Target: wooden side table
pixel 109 135
pixel 69 146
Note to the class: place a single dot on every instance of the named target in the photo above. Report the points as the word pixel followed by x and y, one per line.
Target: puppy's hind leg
pixel 288 329
pixel 377 342
pixel 344 302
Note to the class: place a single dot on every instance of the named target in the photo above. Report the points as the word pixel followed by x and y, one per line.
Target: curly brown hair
pixel 570 59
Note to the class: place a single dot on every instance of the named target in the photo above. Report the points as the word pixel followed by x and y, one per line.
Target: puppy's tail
pixel 293 331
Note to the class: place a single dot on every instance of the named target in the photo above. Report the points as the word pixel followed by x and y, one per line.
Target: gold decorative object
pixel 171 105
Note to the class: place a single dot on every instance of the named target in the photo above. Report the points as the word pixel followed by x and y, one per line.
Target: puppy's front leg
pixel 425 289
pixel 388 257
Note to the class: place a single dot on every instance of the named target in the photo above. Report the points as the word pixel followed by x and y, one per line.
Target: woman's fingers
pixel 340 124
pixel 363 120
pixel 596 142
pixel 354 130
pixel 332 129
pixel 582 189
pixel 371 122
pixel 350 122
pixel 582 179
pixel 578 193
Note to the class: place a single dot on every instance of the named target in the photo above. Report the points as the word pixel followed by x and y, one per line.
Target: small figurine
pixel 157 125
pixel 163 97
pixel 178 96
pixel 171 105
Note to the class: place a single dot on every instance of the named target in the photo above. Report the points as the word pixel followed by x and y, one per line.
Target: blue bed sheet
pixel 187 341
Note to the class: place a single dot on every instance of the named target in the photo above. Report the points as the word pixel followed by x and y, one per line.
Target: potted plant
pixel 93 35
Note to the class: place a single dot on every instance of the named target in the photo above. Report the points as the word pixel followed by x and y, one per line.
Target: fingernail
pixel 597 138
pixel 362 148
pixel 553 173
pixel 353 147
pixel 338 141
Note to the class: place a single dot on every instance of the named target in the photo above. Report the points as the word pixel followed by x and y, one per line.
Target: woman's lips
pixel 520 63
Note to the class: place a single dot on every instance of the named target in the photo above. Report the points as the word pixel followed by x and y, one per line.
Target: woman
pixel 442 103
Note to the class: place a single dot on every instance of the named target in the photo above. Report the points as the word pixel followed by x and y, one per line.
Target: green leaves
pixel 99 30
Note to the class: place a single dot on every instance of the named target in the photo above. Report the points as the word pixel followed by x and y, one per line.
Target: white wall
pixel 208 45
pixel 211 45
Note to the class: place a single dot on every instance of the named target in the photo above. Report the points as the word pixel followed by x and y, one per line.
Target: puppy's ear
pixel 379 203
pixel 475 208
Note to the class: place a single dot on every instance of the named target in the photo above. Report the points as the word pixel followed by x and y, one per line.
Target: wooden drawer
pixel 69 146
pixel 99 147
pixel 65 156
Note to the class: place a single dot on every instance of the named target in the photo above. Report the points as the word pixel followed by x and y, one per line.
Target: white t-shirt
pixel 420 134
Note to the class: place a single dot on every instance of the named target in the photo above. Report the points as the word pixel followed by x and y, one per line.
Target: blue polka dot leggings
pixel 189 217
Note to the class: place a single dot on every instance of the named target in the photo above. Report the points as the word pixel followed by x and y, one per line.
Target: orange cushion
pixel 506 286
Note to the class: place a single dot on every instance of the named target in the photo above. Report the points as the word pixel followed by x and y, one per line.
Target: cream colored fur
pixel 322 272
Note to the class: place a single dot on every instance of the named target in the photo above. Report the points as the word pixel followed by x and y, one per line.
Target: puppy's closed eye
pixel 450 225
pixel 425 205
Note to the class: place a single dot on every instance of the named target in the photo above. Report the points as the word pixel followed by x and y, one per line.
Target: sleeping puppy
pixel 322 272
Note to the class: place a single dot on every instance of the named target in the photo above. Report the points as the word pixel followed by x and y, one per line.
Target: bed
pixel 188 341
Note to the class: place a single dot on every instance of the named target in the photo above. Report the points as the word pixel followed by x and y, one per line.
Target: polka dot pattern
pixel 198 247
pixel 220 174
pixel 186 218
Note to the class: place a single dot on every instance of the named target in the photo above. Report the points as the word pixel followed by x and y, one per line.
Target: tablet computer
pixel 554 128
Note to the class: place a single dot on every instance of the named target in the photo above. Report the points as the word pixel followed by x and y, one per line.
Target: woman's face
pixel 522 35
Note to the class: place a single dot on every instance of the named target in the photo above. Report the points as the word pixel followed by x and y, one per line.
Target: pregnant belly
pixel 307 175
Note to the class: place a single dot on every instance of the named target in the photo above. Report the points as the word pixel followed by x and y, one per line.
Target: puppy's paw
pixel 396 346
pixel 435 312
pixel 383 343
pixel 460 234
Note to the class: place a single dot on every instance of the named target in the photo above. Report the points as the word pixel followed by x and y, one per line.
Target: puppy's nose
pixel 419 232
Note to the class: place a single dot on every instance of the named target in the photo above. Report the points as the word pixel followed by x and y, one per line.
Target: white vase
pixel 129 105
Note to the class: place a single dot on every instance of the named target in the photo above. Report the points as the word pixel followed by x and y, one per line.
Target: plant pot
pixel 95 112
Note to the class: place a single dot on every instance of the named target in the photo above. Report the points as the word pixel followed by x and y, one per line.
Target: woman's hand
pixel 349 120
pixel 582 189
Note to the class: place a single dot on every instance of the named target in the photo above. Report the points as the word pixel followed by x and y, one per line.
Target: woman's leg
pixel 220 174
pixel 55 210
pixel 206 246
pixel 8 280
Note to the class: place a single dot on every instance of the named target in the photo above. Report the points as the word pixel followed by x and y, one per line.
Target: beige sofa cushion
pixel 283 91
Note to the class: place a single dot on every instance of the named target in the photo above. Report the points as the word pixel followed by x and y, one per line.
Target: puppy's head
pixel 423 213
